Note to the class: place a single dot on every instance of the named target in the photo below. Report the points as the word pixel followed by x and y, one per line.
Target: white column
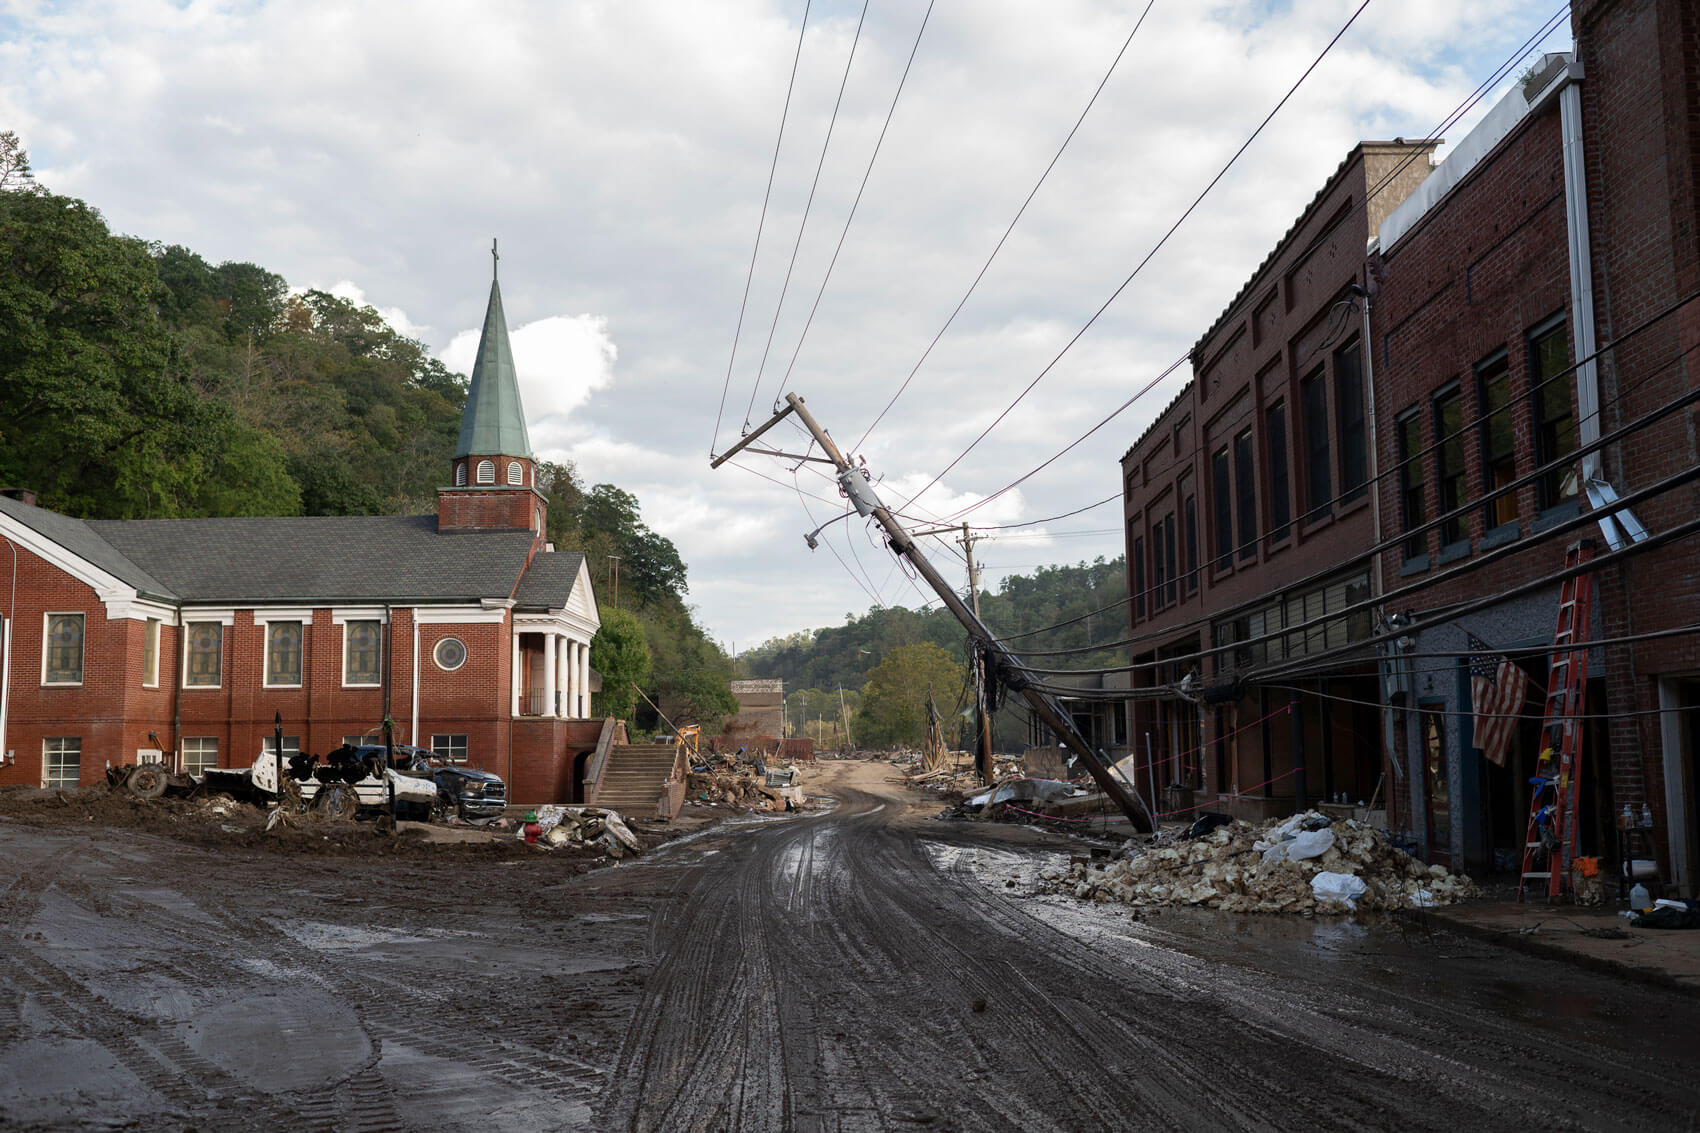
pixel 564 678
pixel 557 673
pixel 584 680
pixel 549 674
pixel 516 672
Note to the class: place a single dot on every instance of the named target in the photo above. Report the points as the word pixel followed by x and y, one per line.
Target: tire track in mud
pixel 840 939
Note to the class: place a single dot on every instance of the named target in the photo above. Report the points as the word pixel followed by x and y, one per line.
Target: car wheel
pixel 338 801
pixel 147 781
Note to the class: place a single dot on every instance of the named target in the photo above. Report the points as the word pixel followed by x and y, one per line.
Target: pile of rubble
pixel 583 826
pixel 743 783
pixel 1305 864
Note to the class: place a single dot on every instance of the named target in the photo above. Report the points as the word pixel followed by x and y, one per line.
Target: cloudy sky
pixel 621 152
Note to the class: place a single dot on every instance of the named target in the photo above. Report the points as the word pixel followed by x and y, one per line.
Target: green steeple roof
pixel 494 422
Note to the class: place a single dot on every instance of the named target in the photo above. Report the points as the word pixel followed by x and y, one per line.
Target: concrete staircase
pixel 634 778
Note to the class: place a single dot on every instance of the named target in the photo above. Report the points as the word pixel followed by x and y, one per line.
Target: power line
pixel 1387 544
pixel 1457 113
pixel 760 224
pixel 803 225
pixel 880 141
pixel 1007 230
pixel 1148 256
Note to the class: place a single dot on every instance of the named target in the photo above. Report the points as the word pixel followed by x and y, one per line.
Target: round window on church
pixel 450 654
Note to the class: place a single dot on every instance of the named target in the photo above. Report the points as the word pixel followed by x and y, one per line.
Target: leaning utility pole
pixel 1015 674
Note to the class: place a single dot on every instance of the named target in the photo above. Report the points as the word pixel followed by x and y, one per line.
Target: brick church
pixel 182 639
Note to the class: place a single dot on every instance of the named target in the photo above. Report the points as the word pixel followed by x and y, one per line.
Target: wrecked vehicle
pixel 149 780
pixel 345 781
pixel 468 793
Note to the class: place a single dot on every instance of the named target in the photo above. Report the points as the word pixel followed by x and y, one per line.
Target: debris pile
pixel 744 782
pixel 585 826
pixel 1305 864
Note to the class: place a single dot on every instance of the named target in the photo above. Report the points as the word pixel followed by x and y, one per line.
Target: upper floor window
pixel 1280 490
pixel 1449 456
pixel 1349 414
pixel 1170 575
pixel 360 652
pixel 516 474
pixel 1222 493
pixel 1499 458
pixel 460 473
pixel 62 660
pixel 1245 475
pixel 486 472
pixel 450 747
pixel 283 653
pixel 150 654
pixel 204 660
pixel 1138 575
pixel 1162 591
pixel 1319 482
pixel 1412 512
pixel 1555 424
pixel 1189 523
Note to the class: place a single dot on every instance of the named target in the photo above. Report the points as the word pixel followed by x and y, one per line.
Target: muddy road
pixel 862 969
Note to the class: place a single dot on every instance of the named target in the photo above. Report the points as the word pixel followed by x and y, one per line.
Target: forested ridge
pixel 140 381
pixel 815 664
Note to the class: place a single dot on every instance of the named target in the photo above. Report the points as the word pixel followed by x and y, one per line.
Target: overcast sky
pixel 620 151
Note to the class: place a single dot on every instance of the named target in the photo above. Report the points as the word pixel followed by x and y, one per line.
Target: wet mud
pixel 865 968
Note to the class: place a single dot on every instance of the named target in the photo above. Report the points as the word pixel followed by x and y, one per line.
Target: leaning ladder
pixel 1552 830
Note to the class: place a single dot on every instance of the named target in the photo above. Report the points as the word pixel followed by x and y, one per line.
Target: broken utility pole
pixel 1014 674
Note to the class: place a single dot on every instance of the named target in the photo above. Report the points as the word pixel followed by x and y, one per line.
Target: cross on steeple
pixel 495 258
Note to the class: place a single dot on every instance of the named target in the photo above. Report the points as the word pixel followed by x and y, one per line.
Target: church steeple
pixel 494 422
pixel 494 474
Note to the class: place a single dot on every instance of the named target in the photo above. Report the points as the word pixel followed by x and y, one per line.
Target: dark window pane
pixel 1449 432
pixel 65 649
pixel 1499 459
pixel 1139 577
pixel 1221 490
pixel 206 650
pixel 1280 494
pixel 1319 487
pixel 1245 474
pixel 1555 424
pixel 1191 513
pixel 283 653
pixel 1412 512
pixel 1169 573
pixel 360 666
pixel 1349 406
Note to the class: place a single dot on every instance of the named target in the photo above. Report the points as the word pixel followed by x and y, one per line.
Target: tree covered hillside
pixel 139 381
pixel 816 663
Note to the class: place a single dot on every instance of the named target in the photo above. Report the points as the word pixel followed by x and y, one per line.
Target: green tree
pixel 620 654
pixel 894 701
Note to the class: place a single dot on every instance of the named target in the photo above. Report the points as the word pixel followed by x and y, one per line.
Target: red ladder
pixel 1552 829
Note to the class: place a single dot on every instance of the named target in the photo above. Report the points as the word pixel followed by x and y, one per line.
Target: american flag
pixel 1497 689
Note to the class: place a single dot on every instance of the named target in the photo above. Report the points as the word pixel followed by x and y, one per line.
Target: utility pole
pixel 982 718
pixel 844 714
pixel 614 577
pixel 1016 675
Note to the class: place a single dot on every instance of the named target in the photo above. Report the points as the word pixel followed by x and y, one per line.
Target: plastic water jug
pixel 1639 898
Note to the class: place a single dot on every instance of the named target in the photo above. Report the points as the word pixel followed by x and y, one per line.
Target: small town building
pixel 183 639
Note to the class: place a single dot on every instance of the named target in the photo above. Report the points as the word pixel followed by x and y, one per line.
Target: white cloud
pixel 560 361
pixel 354 293
pixel 621 151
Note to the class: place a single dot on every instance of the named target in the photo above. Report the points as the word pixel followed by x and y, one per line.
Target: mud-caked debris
pixel 1305 864
pixel 585 826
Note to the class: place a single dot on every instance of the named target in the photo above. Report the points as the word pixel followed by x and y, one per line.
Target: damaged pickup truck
pixel 344 782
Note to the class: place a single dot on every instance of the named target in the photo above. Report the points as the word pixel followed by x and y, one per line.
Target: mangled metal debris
pixel 1305 864
pixel 585 826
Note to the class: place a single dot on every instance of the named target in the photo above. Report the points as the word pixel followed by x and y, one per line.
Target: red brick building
pixel 127 640
pixel 1248 512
